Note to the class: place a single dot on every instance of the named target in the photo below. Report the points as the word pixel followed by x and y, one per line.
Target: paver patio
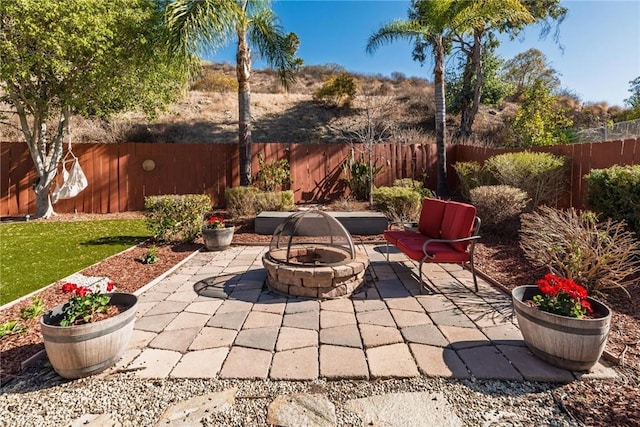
pixel 215 318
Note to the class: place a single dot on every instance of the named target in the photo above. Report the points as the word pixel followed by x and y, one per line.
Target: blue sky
pixel 601 42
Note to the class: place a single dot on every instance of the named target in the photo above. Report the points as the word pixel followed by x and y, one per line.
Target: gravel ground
pixel 43 399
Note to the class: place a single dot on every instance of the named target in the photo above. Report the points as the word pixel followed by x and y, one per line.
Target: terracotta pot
pixel 82 350
pixel 217 239
pixel 565 342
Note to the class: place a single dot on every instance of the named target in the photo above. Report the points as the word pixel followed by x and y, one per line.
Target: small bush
pixel 274 201
pixel 471 175
pixel 215 81
pixel 498 204
pixel 358 172
pixel 414 185
pixel 241 201
pixel 338 91
pixel 596 255
pixel 176 217
pixel 543 176
pixel 273 174
pixel 615 192
pixel 399 204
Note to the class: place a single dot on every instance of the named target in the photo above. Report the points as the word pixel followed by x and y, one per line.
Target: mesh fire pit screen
pixel 312 255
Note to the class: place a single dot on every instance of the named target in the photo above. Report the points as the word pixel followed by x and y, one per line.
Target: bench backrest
pixel 431 217
pixel 457 223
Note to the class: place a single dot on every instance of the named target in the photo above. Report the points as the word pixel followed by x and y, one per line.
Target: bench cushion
pixel 392 236
pixel 442 252
pixel 457 223
pixel 431 217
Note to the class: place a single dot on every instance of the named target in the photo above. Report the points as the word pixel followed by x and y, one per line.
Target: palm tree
pixel 430 26
pixel 200 24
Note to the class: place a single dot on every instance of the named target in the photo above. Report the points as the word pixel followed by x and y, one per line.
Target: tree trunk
pixel 44 207
pixel 243 73
pixel 441 124
pixel 471 104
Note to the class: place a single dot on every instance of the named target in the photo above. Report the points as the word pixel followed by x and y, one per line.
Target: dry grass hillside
pixel 208 113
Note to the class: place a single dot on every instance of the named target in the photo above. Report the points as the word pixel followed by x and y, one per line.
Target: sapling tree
pixel 87 57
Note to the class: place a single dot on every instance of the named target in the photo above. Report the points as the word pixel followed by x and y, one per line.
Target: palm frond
pixel 399 29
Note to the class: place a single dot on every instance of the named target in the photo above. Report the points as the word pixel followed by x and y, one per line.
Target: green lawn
pixel 35 254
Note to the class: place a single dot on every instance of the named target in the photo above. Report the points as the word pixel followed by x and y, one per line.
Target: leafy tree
pixel 88 57
pixel 337 91
pixel 199 24
pixel 634 100
pixel 539 121
pixel 528 68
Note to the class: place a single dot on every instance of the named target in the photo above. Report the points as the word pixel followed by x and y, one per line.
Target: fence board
pixel 117 181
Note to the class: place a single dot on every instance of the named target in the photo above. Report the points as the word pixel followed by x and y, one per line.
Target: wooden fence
pixel 118 181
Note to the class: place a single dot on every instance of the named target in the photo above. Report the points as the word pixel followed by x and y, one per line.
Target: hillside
pixel 208 113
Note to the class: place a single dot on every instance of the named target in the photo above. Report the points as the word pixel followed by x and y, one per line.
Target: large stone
pixel 302 410
pixel 191 412
pixel 405 409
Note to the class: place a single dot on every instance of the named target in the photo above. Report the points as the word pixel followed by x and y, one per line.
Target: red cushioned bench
pixel 447 233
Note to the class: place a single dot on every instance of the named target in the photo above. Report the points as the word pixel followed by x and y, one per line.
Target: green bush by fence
pixel 176 217
pixel 615 192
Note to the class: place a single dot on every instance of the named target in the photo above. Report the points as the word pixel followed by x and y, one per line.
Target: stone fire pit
pixel 313 259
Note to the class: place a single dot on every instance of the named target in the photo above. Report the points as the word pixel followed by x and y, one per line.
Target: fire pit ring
pixel 312 255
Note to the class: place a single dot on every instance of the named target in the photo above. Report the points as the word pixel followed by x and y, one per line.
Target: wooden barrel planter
pixel 217 239
pixel 565 342
pixel 82 350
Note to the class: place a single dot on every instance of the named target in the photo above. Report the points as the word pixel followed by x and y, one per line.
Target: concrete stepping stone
pixel 375 335
pixel 230 306
pixel 187 320
pixel 406 303
pixel 210 337
pixel 425 334
pixel 177 340
pixel 438 362
pixel 532 368
pixel 348 336
pixel 488 363
pixel 302 320
pixel 204 307
pixel 343 305
pixel 154 323
pixel 342 363
pixel 186 296
pixel 291 338
pixel 246 363
pixel 192 411
pixel 259 319
pixel 363 305
pixel 378 317
pixel 275 306
pixel 455 317
pixel 299 306
pixel 329 319
pixel 153 296
pixel 391 361
pixel 164 307
pixel 156 363
pixel 259 338
pixel 435 303
pixel 298 364
pixel 200 364
pixel 292 410
pixel 464 337
pixel 504 334
pixel 420 409
pixel 404 318
pixel 231 320
pixel 139 339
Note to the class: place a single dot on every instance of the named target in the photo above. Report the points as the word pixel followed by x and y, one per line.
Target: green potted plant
pixel 217 233
pixel 560 323
pixel 89 332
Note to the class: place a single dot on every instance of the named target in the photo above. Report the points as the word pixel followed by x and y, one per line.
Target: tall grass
pixel 35 254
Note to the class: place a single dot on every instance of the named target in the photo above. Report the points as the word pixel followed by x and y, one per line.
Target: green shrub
pixel 596 255
pixel 176 217
pixel 274 201
pixel 358 172
pixel 414 185
pixel 471 175
pixel 338 91
pixel 615 192
pixel 497 204
pixel 241 201
pixel 399 204
pixel 543 176
pixel 273 174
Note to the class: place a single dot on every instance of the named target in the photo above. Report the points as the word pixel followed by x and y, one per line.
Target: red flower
pixel 82 291
pixel 67 287
pixel 110 286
